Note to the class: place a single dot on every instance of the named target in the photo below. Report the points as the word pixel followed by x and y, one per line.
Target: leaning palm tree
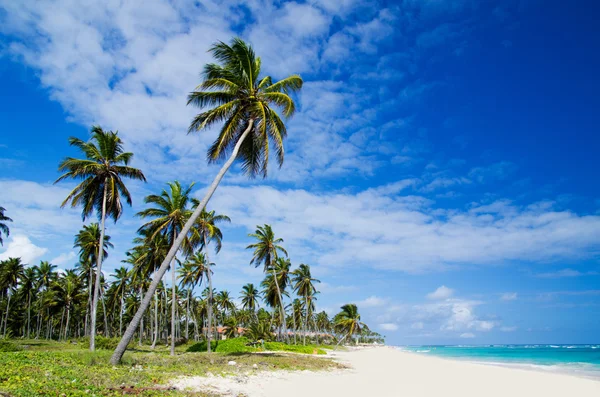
pixel 170 211
pixel 244 102
pixel 348 321
pixel 204 231
pixel 11 271
pixel 3 228
pixel 102 173
pixel 266 251
pixel 304 285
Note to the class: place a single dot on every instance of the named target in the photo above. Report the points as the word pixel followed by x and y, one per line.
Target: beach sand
pixel 388 372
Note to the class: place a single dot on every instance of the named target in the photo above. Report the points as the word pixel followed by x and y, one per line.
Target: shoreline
pixel 552 369
pixel 385 371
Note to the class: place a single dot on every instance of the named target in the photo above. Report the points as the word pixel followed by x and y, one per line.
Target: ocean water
pixel 580 360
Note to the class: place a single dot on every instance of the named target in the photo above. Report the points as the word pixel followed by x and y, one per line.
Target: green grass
pixel 241 345
pixel 66 369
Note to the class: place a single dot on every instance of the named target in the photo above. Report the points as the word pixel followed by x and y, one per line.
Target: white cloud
pixel 467 335
pixel 64 259
pixel 408 232
pixel 508 329
pixel 372 301
pixel 417 325
pixel 388 327
pixel 509 296
pixel 566 273
pixel 20 246
pixel 441 293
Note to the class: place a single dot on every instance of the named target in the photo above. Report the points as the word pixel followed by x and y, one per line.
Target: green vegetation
pixel 55 369
pixel 243 345
pixel 57 315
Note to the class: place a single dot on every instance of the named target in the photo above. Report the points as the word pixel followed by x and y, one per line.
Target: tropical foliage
pixel 39 301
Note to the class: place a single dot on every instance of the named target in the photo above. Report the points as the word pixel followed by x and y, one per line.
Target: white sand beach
pixel 388 372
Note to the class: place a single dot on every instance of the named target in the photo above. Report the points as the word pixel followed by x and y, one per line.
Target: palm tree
pixel 200 267
pixel 304 287
pixel 348 321
pixel 170 212
pixel 69 292
pixel 266 253
pixel 225 302
pixel 101 188
pixel 28 286
pixel 3 228
pixel 243 101
pixel 121 284
pixel 206 230
pixel 12 270
pixel 88 242
pixel 250 295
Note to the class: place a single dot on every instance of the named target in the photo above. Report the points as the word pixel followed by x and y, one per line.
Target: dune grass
pixel 65 369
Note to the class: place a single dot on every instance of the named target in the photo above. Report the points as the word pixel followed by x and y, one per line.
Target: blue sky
pixel 441 171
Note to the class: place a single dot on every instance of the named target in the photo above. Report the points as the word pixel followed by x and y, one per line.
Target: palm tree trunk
pixel 67 325
pixel 28 314
pixel 120 350
pixel 6 317
pixel 88 307
pixel 172 308
pixel 306 317
pixel 121 316
pixel 187 316
pixel 281 310
pixel 142 320
pixel 294 320
pixel 210 297
pixel 155 320
pixel 98 274
pixel 62 318
pixel 106 330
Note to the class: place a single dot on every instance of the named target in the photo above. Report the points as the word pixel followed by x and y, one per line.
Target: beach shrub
pixel 202 347
pixel 8 346
pixel 234 345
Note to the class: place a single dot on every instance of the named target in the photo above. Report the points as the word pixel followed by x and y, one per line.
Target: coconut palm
pixel 88 242
pixel 28 287
pixel 244 102
pixel 11 271
pixel 3 228
pixel 266 252
pixel 348 321
pixel 121 284
pixel 204 231
pixel 102 173
pixel 250 295
pixel 304 285
pixel 170 212
pixel 224 301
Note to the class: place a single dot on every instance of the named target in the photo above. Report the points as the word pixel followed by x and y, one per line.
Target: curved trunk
pixel 98 275
pixel 120 350
pixel 142 321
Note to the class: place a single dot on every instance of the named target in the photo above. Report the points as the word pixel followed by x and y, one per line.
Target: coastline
pixel 387 371
pixel 540 363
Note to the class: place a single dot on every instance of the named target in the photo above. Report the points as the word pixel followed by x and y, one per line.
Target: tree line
pixel 177 233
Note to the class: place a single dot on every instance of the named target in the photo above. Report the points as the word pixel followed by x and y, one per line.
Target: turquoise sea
pixel 582 360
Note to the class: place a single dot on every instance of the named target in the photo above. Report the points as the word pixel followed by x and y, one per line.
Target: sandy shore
pixel 387 372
